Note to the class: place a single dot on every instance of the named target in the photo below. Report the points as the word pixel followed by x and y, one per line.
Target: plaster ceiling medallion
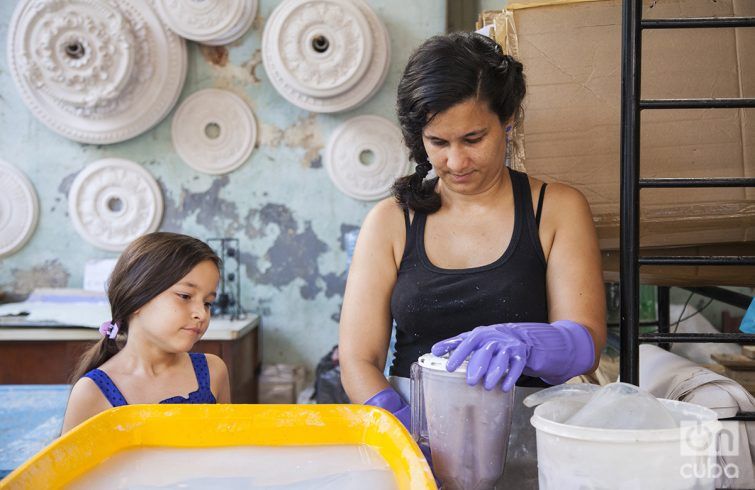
pixel 325 55
pixel 365 155
pixel 95 71
pixel 19 209
pixel 213 22
pixel 113 201
pixel 214 131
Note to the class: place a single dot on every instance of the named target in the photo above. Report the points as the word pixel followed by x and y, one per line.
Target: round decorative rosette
pixel 214 131
pixel 213 22
pixel 19 209
pixel 325 55
pixel 114 201
pixel 364 157
pixel 95 71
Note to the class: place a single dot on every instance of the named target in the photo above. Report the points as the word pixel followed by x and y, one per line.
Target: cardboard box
pixel 711 275
pixel 280 383
pixel 571 51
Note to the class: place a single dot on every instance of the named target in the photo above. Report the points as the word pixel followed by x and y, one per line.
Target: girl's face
pixel 176 319
pixel 466 146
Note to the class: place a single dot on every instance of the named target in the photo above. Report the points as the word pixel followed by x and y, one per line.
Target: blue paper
pixel 31 417
pixel 748 322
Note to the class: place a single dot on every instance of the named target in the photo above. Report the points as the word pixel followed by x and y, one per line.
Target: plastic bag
pixel 328 387
pixel 623 406
pixel 613 406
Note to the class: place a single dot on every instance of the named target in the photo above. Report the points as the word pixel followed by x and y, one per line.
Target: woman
pixel 480 261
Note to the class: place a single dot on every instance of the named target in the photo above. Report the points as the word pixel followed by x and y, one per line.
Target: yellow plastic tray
pixel 204 426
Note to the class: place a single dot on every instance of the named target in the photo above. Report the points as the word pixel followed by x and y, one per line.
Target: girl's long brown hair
pixel 150 264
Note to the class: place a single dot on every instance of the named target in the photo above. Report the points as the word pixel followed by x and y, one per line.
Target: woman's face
pixel 466 145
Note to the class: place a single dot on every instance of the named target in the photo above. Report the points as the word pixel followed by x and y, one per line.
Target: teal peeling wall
pixel 281 205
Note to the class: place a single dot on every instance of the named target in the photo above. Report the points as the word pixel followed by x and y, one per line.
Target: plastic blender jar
pixel 466 427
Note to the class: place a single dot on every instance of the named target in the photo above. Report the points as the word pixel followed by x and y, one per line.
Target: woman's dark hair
pixel 441 73
pixel 150 264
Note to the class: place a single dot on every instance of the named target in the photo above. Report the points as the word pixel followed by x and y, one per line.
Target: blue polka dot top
pixel 202 395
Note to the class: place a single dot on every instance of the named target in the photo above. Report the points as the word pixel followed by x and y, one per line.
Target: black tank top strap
pixel 412 235
pixel 540 198
pixel 407 221
pixel 522 192
pixel 521 189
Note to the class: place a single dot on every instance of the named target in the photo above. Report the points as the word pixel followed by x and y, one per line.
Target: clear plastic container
pixel 466 427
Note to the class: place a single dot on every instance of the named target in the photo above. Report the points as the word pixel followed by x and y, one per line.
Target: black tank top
pixel 430 304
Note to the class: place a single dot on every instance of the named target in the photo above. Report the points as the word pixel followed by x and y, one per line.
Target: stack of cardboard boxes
pixel 571 51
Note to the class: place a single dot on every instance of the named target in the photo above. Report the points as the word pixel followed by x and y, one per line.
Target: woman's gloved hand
pixel 390 400
pixel 554 352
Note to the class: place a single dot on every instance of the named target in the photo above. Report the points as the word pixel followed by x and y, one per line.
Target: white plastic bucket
pixel 572 457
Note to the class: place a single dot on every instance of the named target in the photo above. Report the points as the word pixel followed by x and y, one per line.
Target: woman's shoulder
pixel 566 198
pixel 563 207
pixel 383 231
pixel 387 209
pixel 387 217
pixel 565 194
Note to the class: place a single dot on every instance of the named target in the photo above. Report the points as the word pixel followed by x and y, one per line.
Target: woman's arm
pixel 365 327
pixel 574 276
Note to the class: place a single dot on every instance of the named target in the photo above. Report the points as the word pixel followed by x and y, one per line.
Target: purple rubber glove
pixel 553 352
pixel 389 400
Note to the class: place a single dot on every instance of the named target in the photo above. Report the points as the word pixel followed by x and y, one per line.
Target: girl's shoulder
pixel 85 390
pixel 85 401
pixel 214 362
pixel 219 381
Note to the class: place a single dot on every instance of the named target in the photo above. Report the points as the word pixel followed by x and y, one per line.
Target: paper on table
pixel 65 306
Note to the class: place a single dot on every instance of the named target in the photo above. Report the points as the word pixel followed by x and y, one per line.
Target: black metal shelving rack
pixel 631 184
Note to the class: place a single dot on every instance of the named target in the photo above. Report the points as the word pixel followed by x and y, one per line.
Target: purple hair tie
pixel 109 329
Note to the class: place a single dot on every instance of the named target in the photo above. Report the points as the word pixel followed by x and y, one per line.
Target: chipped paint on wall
pixel 304 134
pixel 228 74
pixel 49 274
pixel 207 207
pixel 214 55
pixel 281 205
pixel 292 256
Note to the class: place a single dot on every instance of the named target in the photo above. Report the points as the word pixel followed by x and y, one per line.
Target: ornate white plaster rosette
pixel 19 209
pixel 212 22
pixel 95 71
pixel 325 55
pixel 113 201
pixel 365 155
pixel 214 131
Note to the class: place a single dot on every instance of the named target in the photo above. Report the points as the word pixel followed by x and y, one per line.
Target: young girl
pixel 160 295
